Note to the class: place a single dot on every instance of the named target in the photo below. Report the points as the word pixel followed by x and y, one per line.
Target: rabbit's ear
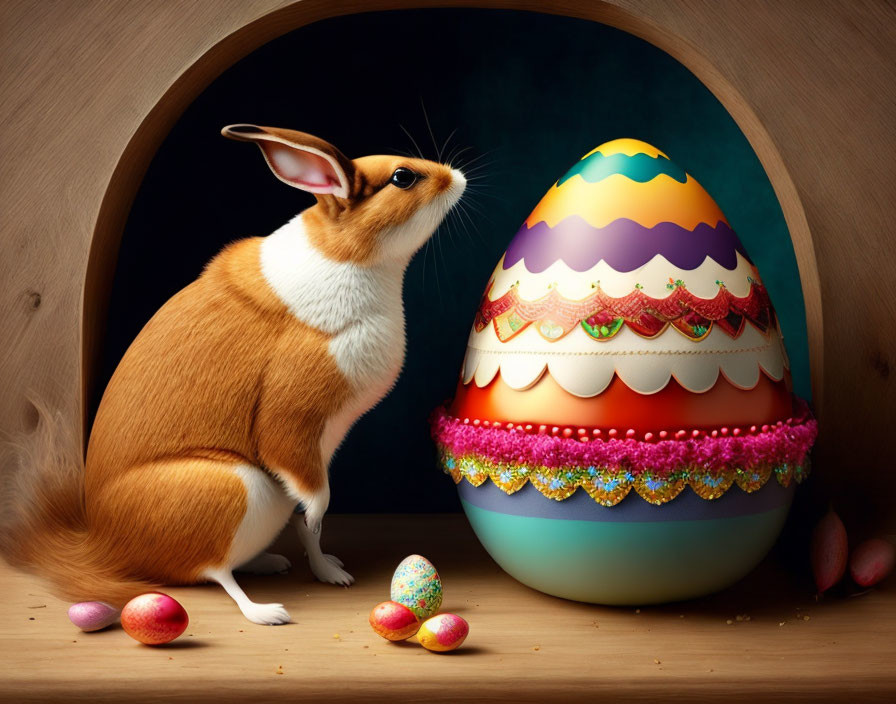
pixel 301 160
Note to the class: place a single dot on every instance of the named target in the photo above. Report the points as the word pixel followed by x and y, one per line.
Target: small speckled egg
pixel 92 615
pixel 443 632
pixel 154 618
pixel 393 621
pixel 416 584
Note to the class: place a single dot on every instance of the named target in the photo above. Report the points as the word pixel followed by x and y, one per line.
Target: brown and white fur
pixel 224 413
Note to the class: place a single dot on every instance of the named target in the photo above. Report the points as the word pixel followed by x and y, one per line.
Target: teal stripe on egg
pixel 626 563
pixel 638 167
pixel 650 560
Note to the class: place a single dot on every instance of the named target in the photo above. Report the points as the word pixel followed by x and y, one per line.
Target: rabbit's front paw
pixel 328 568
pixel 315 508
pixel 313 522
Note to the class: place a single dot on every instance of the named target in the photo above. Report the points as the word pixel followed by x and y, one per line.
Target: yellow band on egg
pixel 663 199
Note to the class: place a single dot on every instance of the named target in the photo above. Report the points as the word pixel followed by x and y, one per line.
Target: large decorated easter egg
pixel 624 431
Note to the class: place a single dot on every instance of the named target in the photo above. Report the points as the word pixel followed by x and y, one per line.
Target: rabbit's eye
pixel 404 178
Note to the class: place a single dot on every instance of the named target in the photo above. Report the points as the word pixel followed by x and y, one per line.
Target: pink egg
pixel 828 551
pixel 393 621
pixel 443 632
pixel 92 615
pixel 154 618
pixel 872 561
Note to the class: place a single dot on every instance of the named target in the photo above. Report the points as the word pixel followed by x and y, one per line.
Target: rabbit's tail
pixel 43 527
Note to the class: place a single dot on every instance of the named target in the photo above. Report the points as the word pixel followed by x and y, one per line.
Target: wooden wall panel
pixel 91 88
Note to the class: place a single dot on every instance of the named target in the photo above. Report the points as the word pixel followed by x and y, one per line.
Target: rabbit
pixel 223 415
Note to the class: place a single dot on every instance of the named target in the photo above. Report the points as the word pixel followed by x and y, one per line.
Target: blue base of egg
pixel 633 553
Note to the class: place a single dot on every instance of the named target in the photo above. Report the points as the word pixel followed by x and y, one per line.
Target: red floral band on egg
pixel 557 461
pixel 602 315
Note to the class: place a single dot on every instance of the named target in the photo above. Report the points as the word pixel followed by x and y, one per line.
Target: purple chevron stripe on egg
pixel 623 244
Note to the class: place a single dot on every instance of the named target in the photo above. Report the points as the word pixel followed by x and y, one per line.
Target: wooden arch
pixel 92 88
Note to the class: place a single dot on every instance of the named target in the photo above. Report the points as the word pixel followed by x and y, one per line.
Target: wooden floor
pixel 523 646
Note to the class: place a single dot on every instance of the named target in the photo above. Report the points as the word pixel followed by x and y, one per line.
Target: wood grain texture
pixel 523 646
pixel 91 88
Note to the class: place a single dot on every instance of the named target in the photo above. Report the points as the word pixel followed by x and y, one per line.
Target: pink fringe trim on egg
pixel 658 469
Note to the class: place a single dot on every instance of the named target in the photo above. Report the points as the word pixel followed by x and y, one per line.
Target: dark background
pixel 527 94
